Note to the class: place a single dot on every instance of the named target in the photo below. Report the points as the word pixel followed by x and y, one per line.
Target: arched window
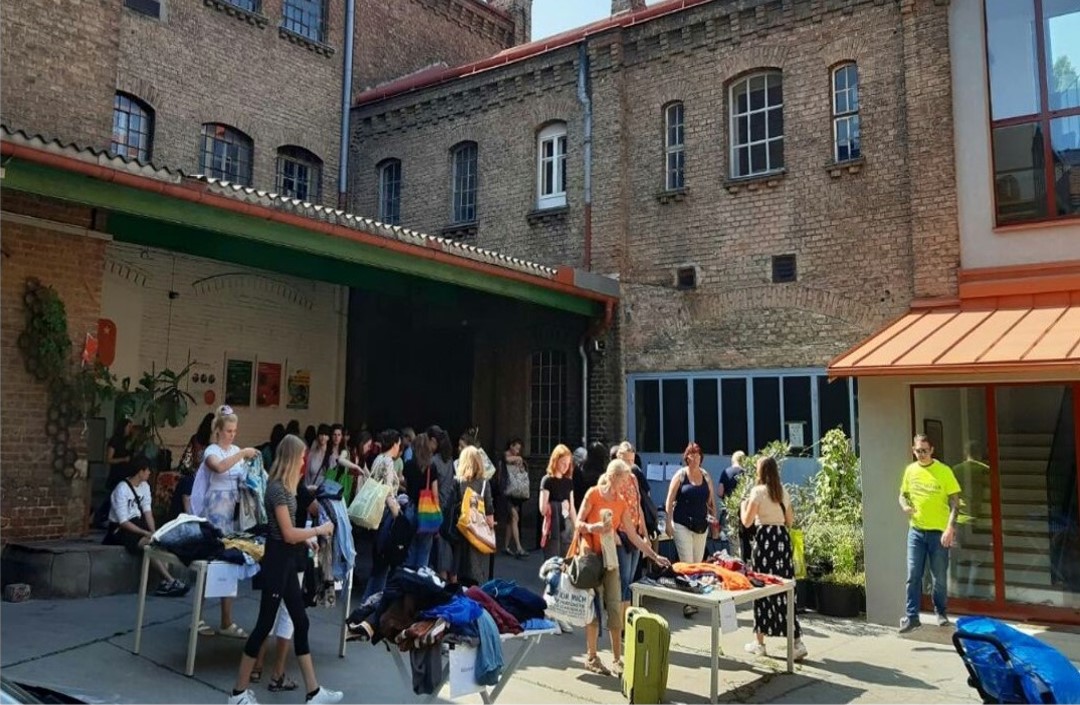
pixel 226 153
pixel 845 111
pixel 389 191
pixel 551 166
pixel 299 174
pixel 674 153
pixel 464 159
pixel 133 128
pixel 547 399
pixel 757 124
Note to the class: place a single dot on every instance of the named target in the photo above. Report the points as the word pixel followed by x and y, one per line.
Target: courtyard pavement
pixel 84 647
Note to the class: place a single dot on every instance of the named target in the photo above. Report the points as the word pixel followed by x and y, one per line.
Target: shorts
pixel 610 595
pixel 128 539
pixel 283 626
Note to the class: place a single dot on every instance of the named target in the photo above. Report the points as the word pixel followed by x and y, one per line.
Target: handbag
pixel 429 514
pixel 517 482
pixel 569 604
pixel 473 522
pixel 366 509
pixel 586 569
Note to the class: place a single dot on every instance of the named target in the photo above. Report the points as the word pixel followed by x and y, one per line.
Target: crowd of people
pixel 586 496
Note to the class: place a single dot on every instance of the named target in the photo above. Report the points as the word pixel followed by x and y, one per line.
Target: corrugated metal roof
pixel 970 340
pixel 276 201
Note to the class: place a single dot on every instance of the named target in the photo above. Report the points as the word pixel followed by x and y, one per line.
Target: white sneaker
pixel 565 628
pixel 245 698
pixel 322 695
pixel 799 650
pixel 755 648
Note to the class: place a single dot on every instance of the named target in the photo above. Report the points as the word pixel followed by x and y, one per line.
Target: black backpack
pixel 392 543
pixel 450 515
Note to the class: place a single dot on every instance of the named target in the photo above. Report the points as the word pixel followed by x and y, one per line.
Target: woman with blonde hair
pixel 471 563
pixel 216 495
pixel 608 495
pixel 284 552
pixel 769 506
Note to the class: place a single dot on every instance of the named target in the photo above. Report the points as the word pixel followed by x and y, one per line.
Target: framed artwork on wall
pixel 238 375
pixel 935 431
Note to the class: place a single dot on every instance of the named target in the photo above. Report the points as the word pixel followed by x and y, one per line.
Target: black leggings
pixel 279 567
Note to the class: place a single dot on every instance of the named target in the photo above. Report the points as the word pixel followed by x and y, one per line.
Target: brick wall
pixel 35 501
pixel 59 65
pixel 225 310
pixel 397 37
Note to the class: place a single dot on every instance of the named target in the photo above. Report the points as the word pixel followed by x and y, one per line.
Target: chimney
pixel 620 6
pixel 521 12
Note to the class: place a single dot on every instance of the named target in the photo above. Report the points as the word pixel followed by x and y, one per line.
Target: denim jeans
pixel 420 551
pixel 925 547
pixel 629 557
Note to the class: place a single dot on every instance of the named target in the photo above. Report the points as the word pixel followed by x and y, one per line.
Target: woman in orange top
pixel 590 527
pixel 629 557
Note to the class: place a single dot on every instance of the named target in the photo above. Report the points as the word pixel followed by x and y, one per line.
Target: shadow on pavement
pixel 869 673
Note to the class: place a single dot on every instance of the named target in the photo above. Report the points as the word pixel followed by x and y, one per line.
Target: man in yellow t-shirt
pixel 930 495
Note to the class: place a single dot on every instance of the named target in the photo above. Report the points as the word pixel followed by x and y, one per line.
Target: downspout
pixel 584 392
pixel 346 100
pixel 584 95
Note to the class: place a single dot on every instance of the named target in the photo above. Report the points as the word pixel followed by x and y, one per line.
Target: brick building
pixel 248 94
pixel 769 181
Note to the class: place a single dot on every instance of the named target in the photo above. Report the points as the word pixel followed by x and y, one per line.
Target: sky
pixel 553 16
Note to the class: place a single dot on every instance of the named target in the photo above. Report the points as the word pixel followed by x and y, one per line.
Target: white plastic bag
pixel 570 604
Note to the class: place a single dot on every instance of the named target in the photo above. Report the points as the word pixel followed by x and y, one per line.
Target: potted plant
pixel 840 591
pixel 732 502
pixel 156 403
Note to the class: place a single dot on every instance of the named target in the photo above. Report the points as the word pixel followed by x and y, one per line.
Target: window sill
pixel 851 166
pixel 253 18
pixel 547 215
pixel 460 231
pixel 307 42
pixel 756 182
pixel 674 195
pixel 1036 224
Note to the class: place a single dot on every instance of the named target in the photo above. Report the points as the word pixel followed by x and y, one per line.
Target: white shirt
pixel 125 506
pixel 222 480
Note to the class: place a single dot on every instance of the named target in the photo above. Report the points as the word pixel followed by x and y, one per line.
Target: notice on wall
pixel 299 389
pixel 795 433
pixel 268 384
pixel 654 472
pixel 729 621
pixel 238 382
pixel 670 471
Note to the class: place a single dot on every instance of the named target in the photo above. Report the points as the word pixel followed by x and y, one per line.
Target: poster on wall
pixel 268 384
pixel 299 389
pixel 238 382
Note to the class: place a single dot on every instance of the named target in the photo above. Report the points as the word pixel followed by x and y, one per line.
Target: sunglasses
pixel 921 451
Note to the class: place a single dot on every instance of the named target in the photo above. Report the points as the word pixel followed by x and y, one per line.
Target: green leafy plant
pixel 157 402
pixel 833 519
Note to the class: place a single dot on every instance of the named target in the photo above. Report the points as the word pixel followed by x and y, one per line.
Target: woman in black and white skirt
pixel 769 507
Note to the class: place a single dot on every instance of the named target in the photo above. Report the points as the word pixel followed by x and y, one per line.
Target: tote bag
pixel 570 604
pixel 517 482
pixel 367 508
pixel 473 522
pixel 429 514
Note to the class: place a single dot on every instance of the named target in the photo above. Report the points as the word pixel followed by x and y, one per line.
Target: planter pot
pixel 805 595
pixel 837 600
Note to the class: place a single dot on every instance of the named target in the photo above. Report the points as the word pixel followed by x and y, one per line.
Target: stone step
pixel 73 568
pixel 1044 440
pixel 1024 452
pixel 1022 466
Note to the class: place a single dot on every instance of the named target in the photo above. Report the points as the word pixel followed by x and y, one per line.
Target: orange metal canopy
pixel 1039 334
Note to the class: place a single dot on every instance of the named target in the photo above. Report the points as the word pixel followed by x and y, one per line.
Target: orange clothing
pixel 729 578
pixel 632 497
pixel 595 503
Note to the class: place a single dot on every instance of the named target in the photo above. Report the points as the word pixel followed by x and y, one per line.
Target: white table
pixel 711 601
pixel 200 568
pixel 487 694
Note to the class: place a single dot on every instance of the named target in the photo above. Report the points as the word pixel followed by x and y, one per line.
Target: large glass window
pixel 674 148
pixel 647 415
pixel 734 426
pixel 707 415
pixel 676 415
pixel 1033 54
pixel 548 399
pixel 798 415
pixel 305 17
pixel 390 191
pixel 757 124
pixel 846 113
pixel 226 153
pixel 464 157
pixel 133 128
pixel 551 166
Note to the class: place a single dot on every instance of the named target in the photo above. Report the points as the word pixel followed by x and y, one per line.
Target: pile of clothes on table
pixel 719 571
pixel 191 538
pixel 419 612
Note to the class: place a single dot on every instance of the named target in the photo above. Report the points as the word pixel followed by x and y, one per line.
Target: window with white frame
pixel 551 166
pixel 725 412
pixel 547 390
pixel 845 110
pixel 675 154
pixel 757 124
pixel 226 153
pixel 464 159
pixel 390 191
pixel 299 174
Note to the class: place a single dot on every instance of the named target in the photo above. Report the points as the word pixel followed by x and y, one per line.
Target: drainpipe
pixel 346 100
pixel 585 97
pixel 584 393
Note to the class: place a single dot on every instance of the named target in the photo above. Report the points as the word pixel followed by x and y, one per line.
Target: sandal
pixel 234 631
pixel 205 629
pixel 282 683
pixel 593 664
pixel 362 632
pixel 256 675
